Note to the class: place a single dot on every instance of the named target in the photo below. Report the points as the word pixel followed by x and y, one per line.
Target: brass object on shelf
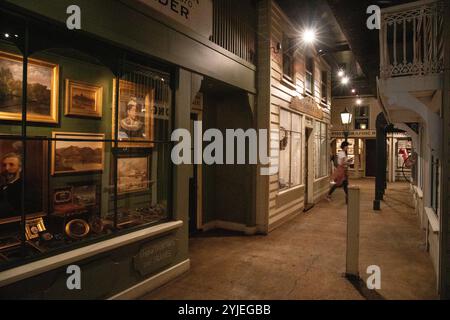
pixel 33 227
pixel 77 229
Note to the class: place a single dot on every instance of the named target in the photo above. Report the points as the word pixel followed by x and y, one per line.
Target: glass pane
pixel 296 159
pixel 283 178
pixel 296 123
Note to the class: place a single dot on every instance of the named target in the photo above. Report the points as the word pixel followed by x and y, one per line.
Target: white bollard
pixel 353 212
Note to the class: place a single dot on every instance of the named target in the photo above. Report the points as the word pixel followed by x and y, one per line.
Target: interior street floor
pixel 305 258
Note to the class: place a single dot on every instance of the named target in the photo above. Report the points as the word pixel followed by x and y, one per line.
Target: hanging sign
pixel 195 14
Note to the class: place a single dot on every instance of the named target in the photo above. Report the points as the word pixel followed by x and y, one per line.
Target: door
pixel 370 157
pixel 193 186
pixel 309 169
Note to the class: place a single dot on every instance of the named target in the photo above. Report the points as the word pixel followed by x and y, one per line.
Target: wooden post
pixel 353 212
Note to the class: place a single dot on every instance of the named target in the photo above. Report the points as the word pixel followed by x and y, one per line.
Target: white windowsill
pixel 432 219
pixel 284 191
pixel 37 267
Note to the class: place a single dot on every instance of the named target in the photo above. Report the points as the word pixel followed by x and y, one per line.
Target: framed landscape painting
pixel 42 89
pixel 133 174
pixel 75 155
pixel 83 99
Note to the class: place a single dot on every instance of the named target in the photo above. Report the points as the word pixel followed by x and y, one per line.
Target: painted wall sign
pixel 195 14
pixel 308 106
pixel 161 111
pixel 155 255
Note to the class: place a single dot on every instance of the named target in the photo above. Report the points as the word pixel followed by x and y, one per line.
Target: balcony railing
pixel 411 39
pixel 234 27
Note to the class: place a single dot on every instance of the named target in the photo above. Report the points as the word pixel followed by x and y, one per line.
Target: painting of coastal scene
pixel 42 89
pixel 132 174
pixel 83 99
pixel 77 156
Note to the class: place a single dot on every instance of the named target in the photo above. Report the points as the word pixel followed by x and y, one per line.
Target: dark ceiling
pixel 350 17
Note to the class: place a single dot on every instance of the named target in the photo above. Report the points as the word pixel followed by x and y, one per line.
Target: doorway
pixel 309 169
pixel 194 186
pixel 370 158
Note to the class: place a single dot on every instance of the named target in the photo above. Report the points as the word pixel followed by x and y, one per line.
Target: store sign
pixel 155 255
pixel 355 133
pixel 195 14
pixel 308 106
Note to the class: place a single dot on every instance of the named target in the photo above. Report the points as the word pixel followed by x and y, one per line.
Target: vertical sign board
pixel 194 14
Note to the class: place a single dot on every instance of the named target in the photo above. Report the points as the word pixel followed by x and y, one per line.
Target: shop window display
pixel 92 159
pixel 290 150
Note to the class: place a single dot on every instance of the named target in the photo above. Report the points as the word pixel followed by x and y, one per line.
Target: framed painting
pixel 42 89
pixel 135 116
pixel 133 174
pixel 77 152
pixel 11 177
pixel 83 99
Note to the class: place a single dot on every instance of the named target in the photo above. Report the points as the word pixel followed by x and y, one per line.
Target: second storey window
pixel 288 58
pixel 324 86
pixel 362 118
pixel 309 77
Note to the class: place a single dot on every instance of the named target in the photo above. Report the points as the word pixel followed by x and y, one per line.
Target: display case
pixel 91 160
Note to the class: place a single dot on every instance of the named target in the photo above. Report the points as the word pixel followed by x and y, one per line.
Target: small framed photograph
pixel 75 155
pixel 83 99
pixel 133 174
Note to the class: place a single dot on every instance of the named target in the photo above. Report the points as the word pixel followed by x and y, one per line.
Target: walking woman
pixel 340 175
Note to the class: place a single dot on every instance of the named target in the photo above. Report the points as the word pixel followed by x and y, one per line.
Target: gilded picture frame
pixel 139 132
pixel 43 88
pixel 66 158
pixel 83 99
pixel 133 174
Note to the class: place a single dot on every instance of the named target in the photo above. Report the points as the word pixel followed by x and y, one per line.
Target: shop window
pixel 435 184
pixel 361 118
pixel 288 58
pixel 321 150
pixel 309 75
pixel 87 171
pixel 290 150
pixel 324 86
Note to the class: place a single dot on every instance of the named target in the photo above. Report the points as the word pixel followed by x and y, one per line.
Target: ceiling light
pixel 341 73
pixel 6 35
pixel 345 80
pixel 309 36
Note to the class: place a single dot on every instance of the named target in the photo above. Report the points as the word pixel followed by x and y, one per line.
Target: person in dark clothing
pixel 10 185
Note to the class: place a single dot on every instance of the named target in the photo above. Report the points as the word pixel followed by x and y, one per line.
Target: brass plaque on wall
pixel 154 255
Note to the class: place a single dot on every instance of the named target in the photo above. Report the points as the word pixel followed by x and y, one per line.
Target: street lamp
pixel 346 119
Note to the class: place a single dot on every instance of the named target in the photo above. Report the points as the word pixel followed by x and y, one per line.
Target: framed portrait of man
pixel 134 120
pixel 12 175
pixel 42 87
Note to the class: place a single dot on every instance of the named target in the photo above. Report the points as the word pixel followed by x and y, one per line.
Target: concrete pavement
pixel 305 258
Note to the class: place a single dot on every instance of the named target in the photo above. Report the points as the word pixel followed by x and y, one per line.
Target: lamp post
pixel 346 119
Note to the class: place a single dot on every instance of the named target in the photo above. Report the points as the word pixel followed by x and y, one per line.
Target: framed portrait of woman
pixel 134 120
